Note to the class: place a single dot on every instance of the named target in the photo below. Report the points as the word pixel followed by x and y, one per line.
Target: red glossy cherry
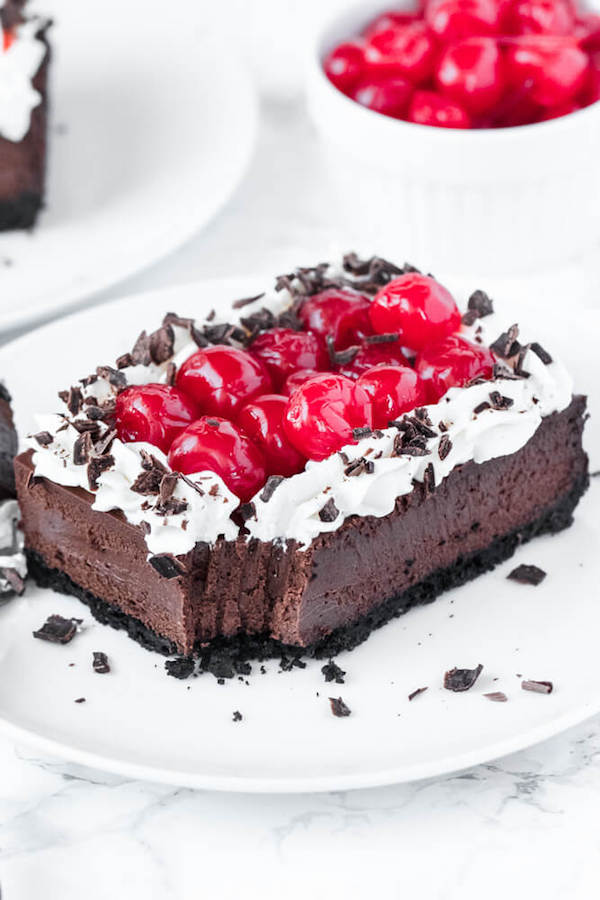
pixel 388 96
pixel 344 314
pixel 388 353
pixel 555 66
pixel 344 66
pixel 417 307
pixel 558 111
pixel 216 445
pixel 591 91
pixel 322 413
pixel 294 380
pixel 222 379
pixel 407 51
pixel 283 351
pixel 155 413
pixel 453 20
pixel 390 19
pixel 393 390
pixel 452 363
pixel 541 17
pixel 471 73
pixel 429 108
pixel 587 31
pixel 262 421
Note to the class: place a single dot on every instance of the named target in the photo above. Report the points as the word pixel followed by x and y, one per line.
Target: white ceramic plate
pixel 139 722
pixel 152 125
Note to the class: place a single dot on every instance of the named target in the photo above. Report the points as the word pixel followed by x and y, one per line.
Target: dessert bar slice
pixel 302 467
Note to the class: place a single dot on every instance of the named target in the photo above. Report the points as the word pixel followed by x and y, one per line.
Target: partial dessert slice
pixel 159 497
pixel 24 60
pixel 8 446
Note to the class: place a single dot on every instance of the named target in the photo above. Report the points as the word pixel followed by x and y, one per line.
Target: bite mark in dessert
pixel 208 546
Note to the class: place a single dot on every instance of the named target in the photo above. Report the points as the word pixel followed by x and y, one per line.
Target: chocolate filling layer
pixel 260 598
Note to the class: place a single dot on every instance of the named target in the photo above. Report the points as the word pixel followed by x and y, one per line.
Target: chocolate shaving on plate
pixel 57 630
pixel 461 679
pixel 180 667
pixel 417 692
pixel 100 662
pixel 527 575
pixel 339 708
pixel 44 438
pixel 496 696
pixel 538 687
pixel 237 716
pixel 332 672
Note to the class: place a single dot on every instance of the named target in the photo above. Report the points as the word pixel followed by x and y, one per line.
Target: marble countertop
pixel 526 824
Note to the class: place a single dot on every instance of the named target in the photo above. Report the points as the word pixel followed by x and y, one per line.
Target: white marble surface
pixel 525 825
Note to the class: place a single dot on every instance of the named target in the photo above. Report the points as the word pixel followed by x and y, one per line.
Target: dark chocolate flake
pixel 170 374
pixel 461 679
pixel 237 716
pixel 124 361
pixel 80 700
pixel 538 687
pixel 339 708
pixel 481 407
pixel 498 401
pixel 181 667
pixel 332 672
pixel 44 438
pixel 444 447
pixel 496 696
pixel 115 377
pixel 57 630
pixel 100 662
pixel 364 431
pixel 507 344
pixel 340 357
pixel 140 353
pixel 162 342
pixel 417 692
pixel 82 449
pixel 246 511
pixel 481 304
pixel 527 575
pixel 429 479
pixel 359 466
pixel 246 301
pixel 273 482
pixel 388 338
pixel 96 466
pixel 541 353
pixel 329 512
pixel 167 566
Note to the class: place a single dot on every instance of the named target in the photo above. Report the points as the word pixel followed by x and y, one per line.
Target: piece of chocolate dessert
pixel 8 446
pixel 24 60
pixel 295 472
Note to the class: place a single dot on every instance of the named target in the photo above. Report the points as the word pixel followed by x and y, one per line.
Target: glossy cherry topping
pixel 222 379
pixel 323 412
pixel 387 353
pixel 216 445
pixel 393 390
pixel 294 380
pixel 341 313
pixel 155 413
pixel 417 307
pixel 283 351
pixel 453 363
pixel 262 421
pixel 473 63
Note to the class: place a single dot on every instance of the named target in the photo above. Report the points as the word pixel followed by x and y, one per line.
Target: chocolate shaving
pixel 481 407
pixel 538 687
pixel 162 342
pixel 82 449
pixel 498 401
pixel 237 716
pixel 541 353
pixel 417 692
pixel 115 377
pixel 461 679
pixel 172 318
pixel 140 353
pixel 167 566
pixel 362 432
pixel 273 482
pixel 519 370
pixel 96 466
pixel 329 512
pixel 103 445
pixel 190 483
pixel 57 630
pixel 246 301
pixel 246 511
pixel 382 338
pixel 429 480
pixel 444 447
pixel 340 357
pixel 339 708
pixel 480 304
pixel 44 438
pixel 332 672
pixel 261 320
pixel 360 466
pixel 124 361
pixel 527 575
pixel 73 398
pixel 507 344
pixel 100 662
pixel 79 700
pixel 170 374
pixel 496 696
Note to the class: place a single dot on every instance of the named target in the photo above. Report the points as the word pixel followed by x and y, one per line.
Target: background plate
pixel 141 723
pixel 152 125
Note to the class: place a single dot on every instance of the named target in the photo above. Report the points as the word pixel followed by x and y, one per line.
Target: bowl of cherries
pixel 466 132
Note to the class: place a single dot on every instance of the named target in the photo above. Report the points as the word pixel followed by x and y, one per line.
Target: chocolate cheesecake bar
pixel 24 61
pixel 8 446
pixel 291 474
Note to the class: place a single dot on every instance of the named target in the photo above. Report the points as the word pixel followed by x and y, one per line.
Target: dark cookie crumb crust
pixel 243 646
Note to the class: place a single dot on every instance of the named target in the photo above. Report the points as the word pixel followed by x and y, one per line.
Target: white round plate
pixel 152 126
pixel 139 722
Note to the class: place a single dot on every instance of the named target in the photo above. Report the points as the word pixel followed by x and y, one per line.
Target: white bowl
pixel 490 200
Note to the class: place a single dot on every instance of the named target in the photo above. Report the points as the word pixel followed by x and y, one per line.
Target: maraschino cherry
pixel 294 380
pixel 389 96
pixel 217 445
pixel 453 20
pixel 155 413
pixel 323 412
pixel 452 363
pixel 555 67
pixel 339 312
pixel 417 307
pixel 471 73
pixel 262 421
pixel 283 351
pixel 222 379
pixel 393 390
pixel 344 66
pixel 407 51
pixel 429 108
pixel 387 353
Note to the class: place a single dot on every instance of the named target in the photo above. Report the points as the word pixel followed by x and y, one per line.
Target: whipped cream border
pixel 293 510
